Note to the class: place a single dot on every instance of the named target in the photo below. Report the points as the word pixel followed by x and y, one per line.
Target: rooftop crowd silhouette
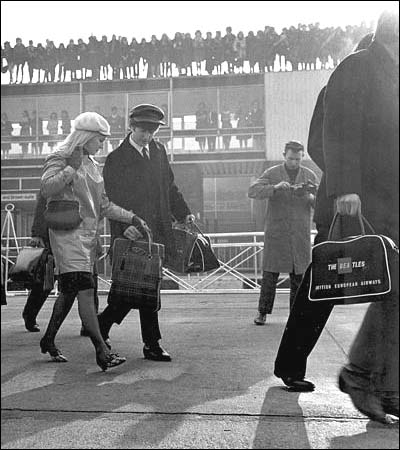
pixel 183 55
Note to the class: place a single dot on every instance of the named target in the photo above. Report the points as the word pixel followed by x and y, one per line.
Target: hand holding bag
pixel 137 273
pixel 355 269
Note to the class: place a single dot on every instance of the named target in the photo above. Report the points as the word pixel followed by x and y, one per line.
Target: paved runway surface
pixel 219 391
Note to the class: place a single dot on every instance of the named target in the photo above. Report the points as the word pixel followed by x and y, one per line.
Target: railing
pixel 240 270
pixel 176 142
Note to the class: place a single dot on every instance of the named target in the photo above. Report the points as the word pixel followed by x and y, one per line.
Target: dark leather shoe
pixel 298 385
pixel 353 384
pixel 156 353
pixel 390 405
pixel 31 325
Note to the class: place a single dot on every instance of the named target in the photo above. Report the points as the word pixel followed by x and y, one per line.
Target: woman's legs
pixel 87 311
pixel 62 306
pixel 88 315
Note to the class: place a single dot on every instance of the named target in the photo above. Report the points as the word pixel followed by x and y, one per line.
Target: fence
pixel 240 256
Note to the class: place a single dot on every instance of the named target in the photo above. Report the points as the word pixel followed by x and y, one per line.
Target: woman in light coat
pixel 70 173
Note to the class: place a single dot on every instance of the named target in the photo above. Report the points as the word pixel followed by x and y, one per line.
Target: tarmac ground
pixel 218 391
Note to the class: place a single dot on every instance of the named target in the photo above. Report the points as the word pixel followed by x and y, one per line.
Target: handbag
pixel 136 273
pixel 194 251
pixel 184 243
pixel 354 269
pixel 62 215
pixel 29 266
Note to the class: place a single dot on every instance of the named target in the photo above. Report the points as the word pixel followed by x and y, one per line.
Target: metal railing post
pixel 255 261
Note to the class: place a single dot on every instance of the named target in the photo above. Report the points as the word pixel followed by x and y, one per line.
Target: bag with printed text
pixel 354 269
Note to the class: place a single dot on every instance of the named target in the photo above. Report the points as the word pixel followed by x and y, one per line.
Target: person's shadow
pixel 211 367
pixel 376 436
pixel 287 425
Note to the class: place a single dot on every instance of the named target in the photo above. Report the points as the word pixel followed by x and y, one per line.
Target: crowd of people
pixel 30 125
pixel 184 54
pixel 55 127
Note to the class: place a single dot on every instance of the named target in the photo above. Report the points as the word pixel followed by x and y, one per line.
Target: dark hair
pixel 147 126
pixel 387 29
pixel 295 146
pixel 364 43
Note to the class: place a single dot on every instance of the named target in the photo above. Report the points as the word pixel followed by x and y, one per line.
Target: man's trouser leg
pixel 114 312
pixel 303 328
pixel 295 280
pixel 34 302
pixel 267 292
pixel 150 327
pixel 375 349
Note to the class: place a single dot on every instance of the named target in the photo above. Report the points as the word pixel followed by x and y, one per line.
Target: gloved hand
pixel 132 233
pixel 36 241
pixel 140 224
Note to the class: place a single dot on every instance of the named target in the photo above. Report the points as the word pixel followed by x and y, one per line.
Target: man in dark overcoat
pixel 360 146
pixel 138 177
pixel 361 151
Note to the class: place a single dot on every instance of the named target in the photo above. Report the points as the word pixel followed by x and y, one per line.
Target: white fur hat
pixel 92 121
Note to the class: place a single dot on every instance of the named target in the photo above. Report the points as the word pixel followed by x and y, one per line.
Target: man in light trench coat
pixel 289 189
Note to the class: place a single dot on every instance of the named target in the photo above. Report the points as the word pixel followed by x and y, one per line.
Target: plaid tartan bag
pixel 137 272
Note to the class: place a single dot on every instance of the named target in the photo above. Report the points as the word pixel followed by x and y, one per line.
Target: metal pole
pixel 7 223
pixel 255 260
pixel 218 115
pixel 80 97
pixel 170 116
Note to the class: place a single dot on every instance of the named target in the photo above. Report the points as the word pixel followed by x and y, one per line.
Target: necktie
pixel 145 152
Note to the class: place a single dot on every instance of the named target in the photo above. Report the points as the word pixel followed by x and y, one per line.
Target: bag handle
pixel 361 220
pixel 150 240
pixel 196 227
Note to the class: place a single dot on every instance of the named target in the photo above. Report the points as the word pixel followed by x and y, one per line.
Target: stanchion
pixel 8 226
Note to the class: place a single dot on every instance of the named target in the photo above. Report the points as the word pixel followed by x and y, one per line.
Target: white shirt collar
pixel 137 146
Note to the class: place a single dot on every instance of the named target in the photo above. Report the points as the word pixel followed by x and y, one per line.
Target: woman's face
pixel 94 144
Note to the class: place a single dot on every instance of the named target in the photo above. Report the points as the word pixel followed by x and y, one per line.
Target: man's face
pixel 293 159
pixel 143 135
